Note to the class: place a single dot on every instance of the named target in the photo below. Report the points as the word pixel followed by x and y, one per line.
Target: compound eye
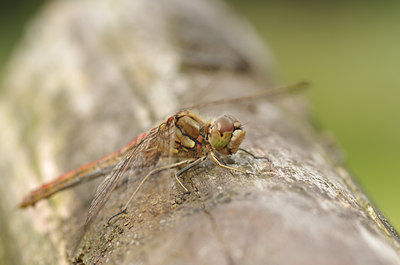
pixel 224 124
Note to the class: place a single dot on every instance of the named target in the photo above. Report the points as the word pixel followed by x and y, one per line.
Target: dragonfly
pixel 184 136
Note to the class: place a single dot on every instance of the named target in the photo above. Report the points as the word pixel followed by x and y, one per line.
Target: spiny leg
pixel 154 171
pixel 271 166
pixel 254 156
pixel 183 170
pixel 215 159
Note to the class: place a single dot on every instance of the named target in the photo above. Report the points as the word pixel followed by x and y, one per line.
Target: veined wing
pixel 276 91
pixel 84 173
pixel 156 143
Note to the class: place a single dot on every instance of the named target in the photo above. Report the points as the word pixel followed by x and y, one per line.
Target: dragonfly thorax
pixel 196 138
pixel 226 134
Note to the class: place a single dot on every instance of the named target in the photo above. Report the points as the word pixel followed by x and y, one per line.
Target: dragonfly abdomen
pixel 87 172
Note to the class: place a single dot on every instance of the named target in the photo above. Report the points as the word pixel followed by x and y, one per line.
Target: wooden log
pixel 91 75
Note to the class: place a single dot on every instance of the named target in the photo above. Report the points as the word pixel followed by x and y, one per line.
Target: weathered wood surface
pixel 90 75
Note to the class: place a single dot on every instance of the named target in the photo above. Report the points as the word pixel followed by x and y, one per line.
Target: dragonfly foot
pixel 184 194
pixel 254 156
pixel 115 215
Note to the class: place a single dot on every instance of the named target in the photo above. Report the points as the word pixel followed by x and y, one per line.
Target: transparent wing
pixel 155 144
pixel 276 91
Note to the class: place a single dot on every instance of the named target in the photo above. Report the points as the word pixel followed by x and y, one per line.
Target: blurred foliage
pixel 349 50
pixel 14 14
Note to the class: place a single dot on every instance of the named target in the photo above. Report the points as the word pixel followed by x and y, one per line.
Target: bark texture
pixel 91 75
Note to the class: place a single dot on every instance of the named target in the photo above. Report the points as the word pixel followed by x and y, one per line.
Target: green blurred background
pixel 349 50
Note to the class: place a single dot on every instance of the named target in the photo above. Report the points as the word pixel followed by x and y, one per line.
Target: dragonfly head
pixel 226 135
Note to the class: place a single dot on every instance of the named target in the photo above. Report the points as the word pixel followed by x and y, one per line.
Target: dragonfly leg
pixel 259 157
pixel 183 170
pixel 254 156
pixel 154 171
pixel 215 159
